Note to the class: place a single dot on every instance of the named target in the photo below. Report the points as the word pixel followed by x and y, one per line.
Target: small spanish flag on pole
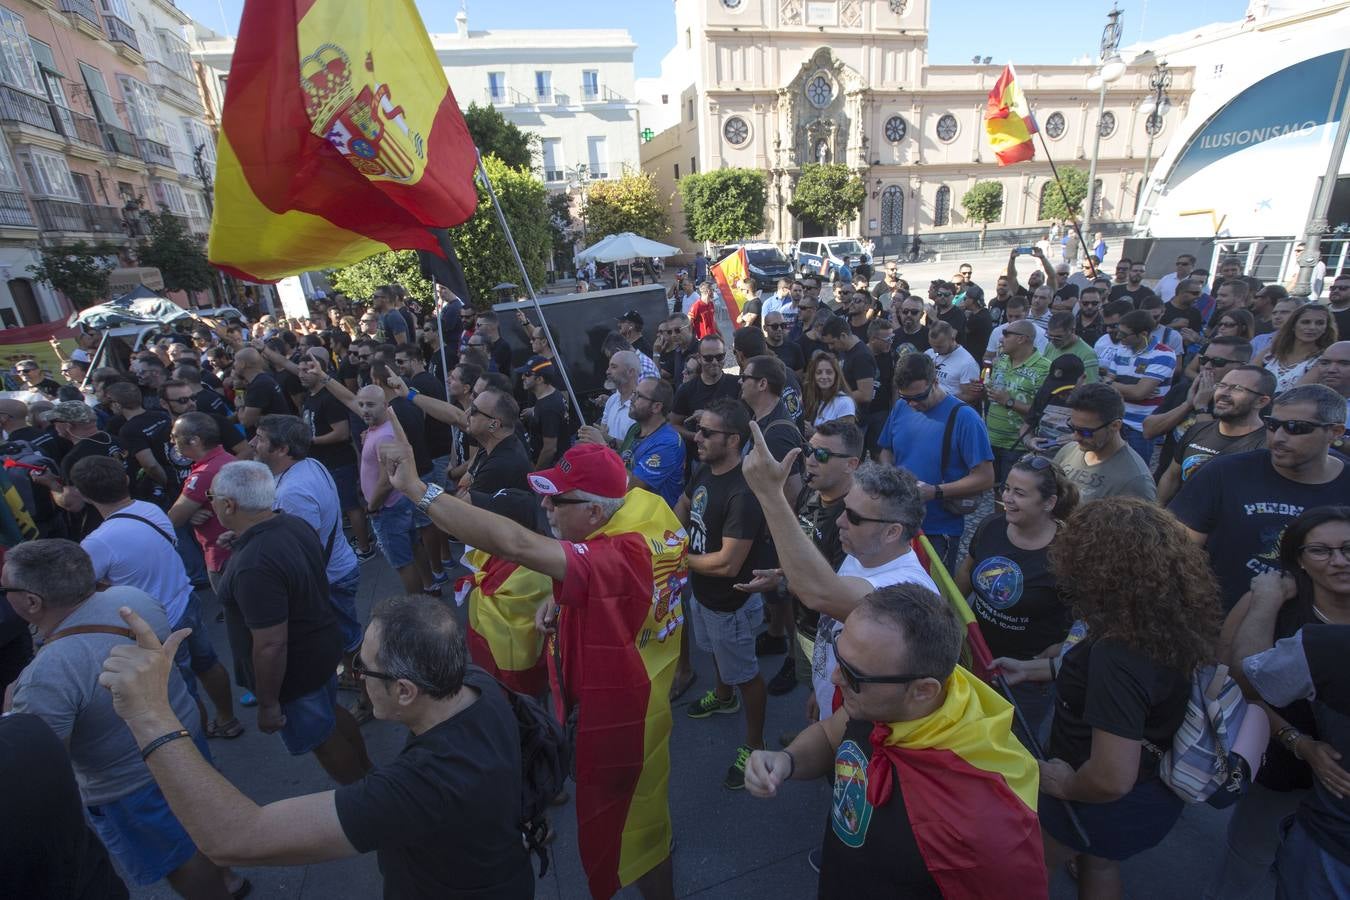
pixel 339 139
pixel 727 274
pixel 1008 121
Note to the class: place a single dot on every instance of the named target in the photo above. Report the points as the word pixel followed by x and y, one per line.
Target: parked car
pixel 834 258
pixel 767 263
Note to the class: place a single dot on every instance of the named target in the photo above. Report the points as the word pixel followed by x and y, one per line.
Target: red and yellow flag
pixel 502 638
pixel 728 274
pixel 976 655
pixel 339 139
pixel 1008 121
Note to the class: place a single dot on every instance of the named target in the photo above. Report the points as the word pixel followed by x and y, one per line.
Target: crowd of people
pixel 1168 491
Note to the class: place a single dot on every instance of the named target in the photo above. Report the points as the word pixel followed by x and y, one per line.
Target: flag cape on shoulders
pixel 502 638
pixel 727 274
pixel 620 644
pixel 339 139
pixel 1008 122
pixel 970 791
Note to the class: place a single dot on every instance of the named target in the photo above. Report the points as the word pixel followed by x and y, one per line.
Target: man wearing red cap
pixel 619 570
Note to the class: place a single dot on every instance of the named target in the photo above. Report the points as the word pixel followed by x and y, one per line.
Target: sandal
pixel 225 731
pixel 678 690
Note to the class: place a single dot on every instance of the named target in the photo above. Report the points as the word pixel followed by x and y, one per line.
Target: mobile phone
pixel 1025 251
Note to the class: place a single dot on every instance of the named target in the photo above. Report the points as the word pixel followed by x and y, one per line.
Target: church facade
pixel 777 84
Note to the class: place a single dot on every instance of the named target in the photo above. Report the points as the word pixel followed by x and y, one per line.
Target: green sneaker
pixel 710 703
pixel 735 779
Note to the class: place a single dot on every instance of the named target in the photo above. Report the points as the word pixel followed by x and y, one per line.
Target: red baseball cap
pixel 593 468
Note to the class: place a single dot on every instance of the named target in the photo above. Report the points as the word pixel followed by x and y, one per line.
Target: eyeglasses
pixel 1229 386
pixel 917 398
pixel 855 679
pixel 1293 426
pixel 1322 553
pixel 744 377
pixel 568 501
pixel 856 518
pixel 360 671
pixel 711 357
pixel 776 326
pixel 911 312
pixel 638 395
pixel 709 432
pixel 176 400
pixel 821 455
pixel 475 411
pixel 1089 432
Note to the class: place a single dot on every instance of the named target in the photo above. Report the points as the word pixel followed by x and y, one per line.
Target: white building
pixel 776 84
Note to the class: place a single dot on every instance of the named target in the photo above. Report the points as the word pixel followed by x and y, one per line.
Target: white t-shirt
pixel 307 491
pixel 954 369
pixel 129 553
pixel 904 569
pixel 1105 348
pixel 616 415
pixel 996 336
pixel 838 407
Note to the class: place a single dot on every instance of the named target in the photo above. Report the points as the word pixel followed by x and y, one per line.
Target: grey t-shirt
pixel 1123 475
pixel 61 687
pixel 306 490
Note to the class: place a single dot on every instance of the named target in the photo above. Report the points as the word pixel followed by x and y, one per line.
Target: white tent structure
pixel 625 247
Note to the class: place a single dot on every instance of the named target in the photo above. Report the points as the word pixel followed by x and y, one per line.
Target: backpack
pixel 545 764
pixel 1202 766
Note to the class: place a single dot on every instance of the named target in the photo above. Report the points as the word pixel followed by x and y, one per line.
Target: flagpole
pixel 440 332
pixel 1073 219
pixel 529 288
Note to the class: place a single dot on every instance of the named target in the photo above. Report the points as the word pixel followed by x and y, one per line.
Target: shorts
pixel 142 833
pixel 348 487
pixel 310 719
pixel 440 467
pixel 730 638
pixel 395 532
pixel 200 652
pixel 342 594
pixel 1117 830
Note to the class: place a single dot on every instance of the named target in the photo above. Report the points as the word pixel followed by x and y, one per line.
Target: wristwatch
pixel 1009 402
pixel 433 491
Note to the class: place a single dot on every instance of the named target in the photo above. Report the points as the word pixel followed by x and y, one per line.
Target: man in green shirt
pixel 1063 340
pixel 1017 375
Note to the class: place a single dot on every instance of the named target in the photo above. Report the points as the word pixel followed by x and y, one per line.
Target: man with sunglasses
pixel 1134 290
pixel 1237 506
pixel 652 451
pixel 776 330
pixel 1098 460
pixel 1338 296
pixel 35 379
pixel 1017 375
pixel 694 396
pixel 1141 370
pixel 1191 400
pixel 946 310
pixel 1014 311
pixel 674 344
pixel 1239 397
pixel 1168 285
pixel 909 328
pixel 943 443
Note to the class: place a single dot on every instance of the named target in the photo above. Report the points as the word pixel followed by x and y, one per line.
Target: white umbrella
pixel 623 246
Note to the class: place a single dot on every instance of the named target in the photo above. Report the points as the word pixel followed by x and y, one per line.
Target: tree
pixel 983 203
pixel 561 230
pixel 79 270
pixel 724 205
pixel 359 280
pixel 827 194
pixel 503 139
pixel 1075 184
pixel 630 203
pixel 172 249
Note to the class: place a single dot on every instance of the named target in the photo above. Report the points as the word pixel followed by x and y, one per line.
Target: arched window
pixel 1097 199
pixel 893 210
pixel 1046 188
pixel 942 206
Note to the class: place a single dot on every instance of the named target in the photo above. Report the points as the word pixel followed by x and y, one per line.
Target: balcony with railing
pixel 184 164
pixel 67 216
pixel 109 220
pixel 20 106
pixel 14 210
pixel 84 128
pixel 120 32
pixel 119 140
pixel 155 153
pixel 84 9
pixel 599 93
pixel 199 225
pixel 168 79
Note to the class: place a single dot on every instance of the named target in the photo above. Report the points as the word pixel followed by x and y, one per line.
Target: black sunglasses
pixel 1089 432
pixel 856 518
pixel 710 357
pixel 568 501
pixel 822 455
pixel 1293 426
pixel 916 398
pixel 855 679
pixel 1216 361
pixel 360 671
pixel 744 377
pixel 776 326
pixel 1035 463
pixel 709 432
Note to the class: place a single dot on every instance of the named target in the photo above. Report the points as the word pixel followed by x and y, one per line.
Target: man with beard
pixel 775 336
pixel 1333 369
pixel 1236 427
pixel 945 310
pixel 910 334
pixel 674 344
pixel 1134 289
pixel 1087 322
pixel 1034 280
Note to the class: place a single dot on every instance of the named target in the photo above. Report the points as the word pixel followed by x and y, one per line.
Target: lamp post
pixel 1109 68
pixel 1154 108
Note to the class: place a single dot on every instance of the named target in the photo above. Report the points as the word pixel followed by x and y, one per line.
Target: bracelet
pixel 162 740
pixel 412 392
pixel 792 765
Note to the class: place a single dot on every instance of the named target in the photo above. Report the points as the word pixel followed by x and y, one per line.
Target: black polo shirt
pixel 504 466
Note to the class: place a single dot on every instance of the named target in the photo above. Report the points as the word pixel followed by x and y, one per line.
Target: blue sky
pixel 959 29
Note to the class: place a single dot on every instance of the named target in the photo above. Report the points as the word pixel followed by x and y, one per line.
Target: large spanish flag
pixel 502 600
pixel 1008 121
pixel 964 759
pixel 727 273
pixel 339 139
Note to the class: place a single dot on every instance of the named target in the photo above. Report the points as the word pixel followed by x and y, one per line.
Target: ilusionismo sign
pixel 1292 101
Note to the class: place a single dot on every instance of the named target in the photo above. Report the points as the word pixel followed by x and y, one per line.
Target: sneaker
pixel 735 779
pixel 364 555
pixel 709 703
pixel 786 679
pixel 814 859
pixel 248 699
pixel 770 645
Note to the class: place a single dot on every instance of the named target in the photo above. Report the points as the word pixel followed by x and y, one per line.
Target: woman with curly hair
pixel 1148 604
pixel 825 394
pixel 1298 344
pixel 1022 610
pixel 1314 587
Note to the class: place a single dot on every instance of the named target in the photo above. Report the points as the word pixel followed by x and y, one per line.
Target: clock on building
pixel 895 129
pixel 947 128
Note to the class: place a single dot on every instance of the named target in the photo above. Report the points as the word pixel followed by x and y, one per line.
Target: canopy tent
pixel 140 306
pixel 625 246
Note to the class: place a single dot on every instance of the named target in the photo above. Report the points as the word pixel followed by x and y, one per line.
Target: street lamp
pixel 1109 68
pixel 1154 108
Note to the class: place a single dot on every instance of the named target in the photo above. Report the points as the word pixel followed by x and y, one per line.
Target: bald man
pixel 258 393
pixel 13 415
pixel 1333 369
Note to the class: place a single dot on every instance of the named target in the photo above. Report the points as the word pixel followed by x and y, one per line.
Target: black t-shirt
pixel 1203 442
pixel 753 306
pixel 697 394
pixel 810 347
pixel 1090 332
pixel 441 817
pixel 1194 320
pixel 1324 815
pixel 979 326
pixel 790 354
pixel 277 574
pixel 414 423
pixel 885 390
pixel 820 521
pixel 48 443
pixel 781 432
pixel 1106 684
pixel 211 402
pixel 265 394
pixel 49 850
pixel 916 342
pixel 870 851
pixel 321 412
pixel 151 430
pixel 672 363
pixel 290 385
pixel 643 346
pixel 499 355
pixel 860 330
pixel 1244 505
pixel 1281 770
pixel 1016 600
pixel 722 506
pixel 858 364
pixel 348 372
pixel 1135 295
pixel 955 316
pixel 552 419
pixel 437 432
pixel 504 466
pixel 1175 396
pixel 1068 292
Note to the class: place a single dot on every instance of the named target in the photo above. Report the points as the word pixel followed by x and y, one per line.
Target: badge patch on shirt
pixel 850 813
pixel 653 461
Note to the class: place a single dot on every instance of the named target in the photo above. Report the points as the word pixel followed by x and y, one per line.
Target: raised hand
pixel 763 473
pixel 138 674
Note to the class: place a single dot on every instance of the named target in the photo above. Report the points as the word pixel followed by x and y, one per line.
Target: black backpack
pixel 545 764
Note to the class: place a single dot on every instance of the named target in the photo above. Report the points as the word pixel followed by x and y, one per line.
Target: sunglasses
pixel 1228 323
pixel 748 377
pixel 821 455
pixel 26 371
pixel 475 411
pixel 916 398
pixel 1293 426
pixel 710 357
pixel 1089 432
pixel 709 432
pixel 776 326
pixel 1216 361
pixel 856 518
pixel 911 312
pixel 568 501
pixel 855 679
pixel 1035 463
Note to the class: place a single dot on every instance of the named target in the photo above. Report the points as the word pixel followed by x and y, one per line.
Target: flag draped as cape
pixel 502 638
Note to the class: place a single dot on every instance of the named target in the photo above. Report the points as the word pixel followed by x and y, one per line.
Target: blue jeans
pixel 1304 871
pixel 1138 443
pixel 190 552
pixel 395 530
pixel 342 594
pixel 310 719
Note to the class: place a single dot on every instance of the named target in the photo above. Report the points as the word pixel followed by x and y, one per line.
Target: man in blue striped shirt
pixel 1140 369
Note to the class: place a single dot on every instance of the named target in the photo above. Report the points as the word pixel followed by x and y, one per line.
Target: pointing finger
pixel 172 642
pixel 145 635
